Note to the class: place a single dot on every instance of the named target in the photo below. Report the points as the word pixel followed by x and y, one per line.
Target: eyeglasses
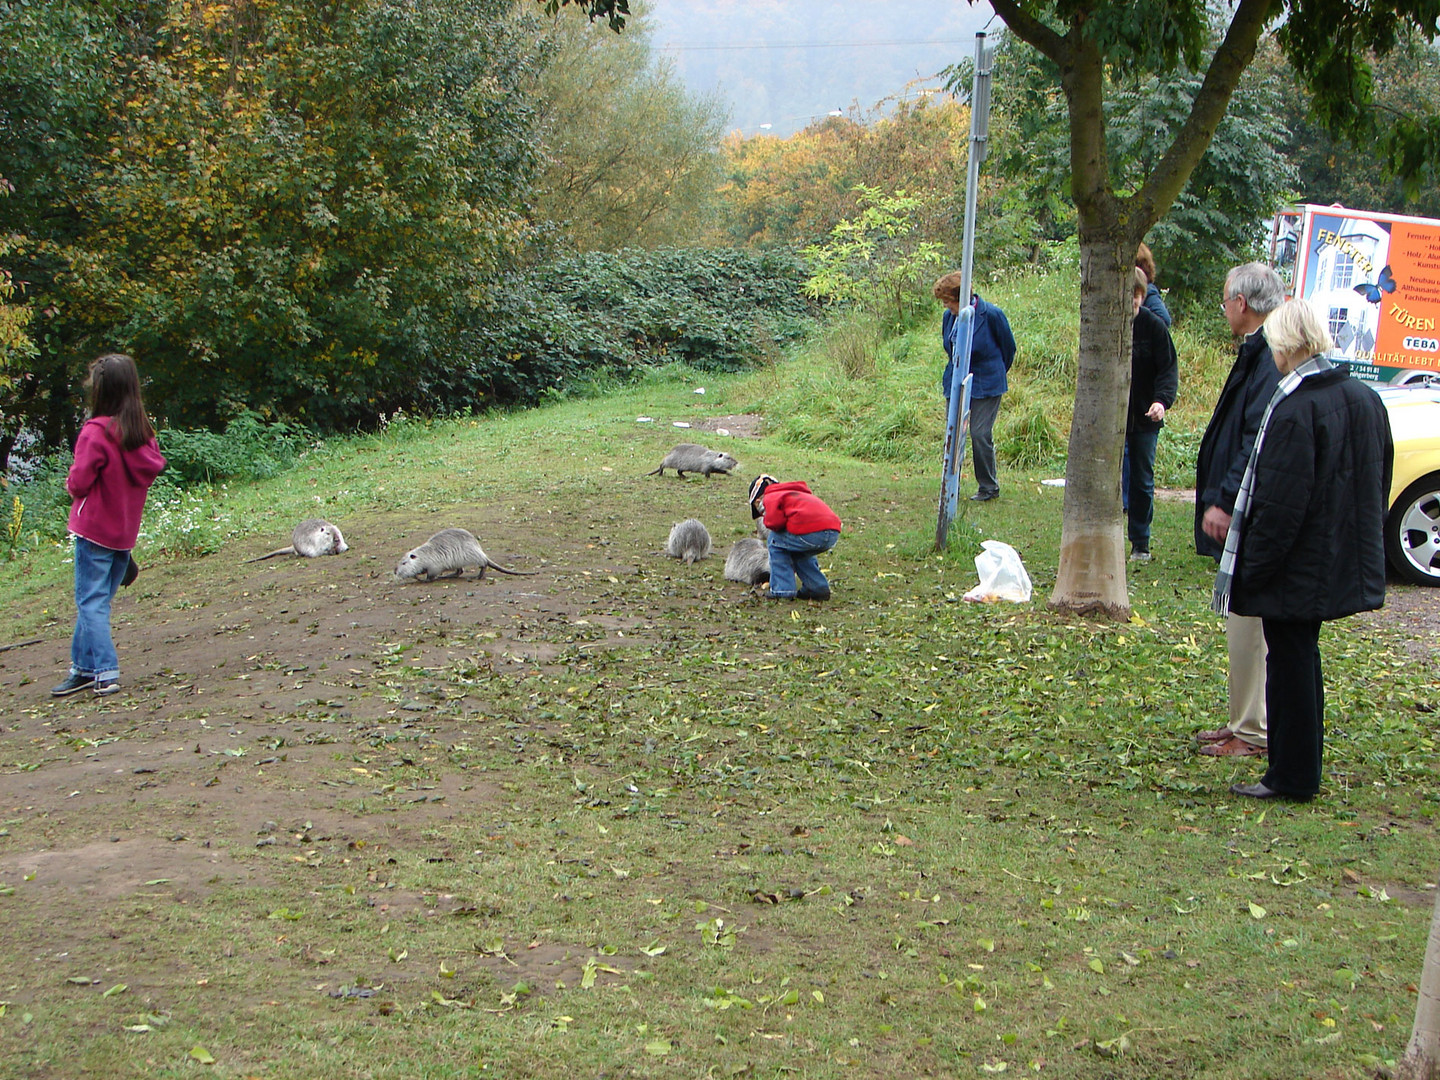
pixel 1226 301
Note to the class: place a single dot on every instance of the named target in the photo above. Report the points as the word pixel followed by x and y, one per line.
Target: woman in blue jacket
pixel 992 351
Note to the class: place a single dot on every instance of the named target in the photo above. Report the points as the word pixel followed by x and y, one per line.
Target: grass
pixel 889 407
pixel 897 834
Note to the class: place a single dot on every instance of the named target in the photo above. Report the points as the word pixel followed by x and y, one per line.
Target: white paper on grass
pixel 1002 574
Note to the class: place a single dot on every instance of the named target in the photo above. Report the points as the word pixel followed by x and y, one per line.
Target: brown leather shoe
pixel 1219 734
pixel 1231 747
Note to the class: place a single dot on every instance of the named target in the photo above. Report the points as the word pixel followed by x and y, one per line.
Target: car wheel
pixel 1412 532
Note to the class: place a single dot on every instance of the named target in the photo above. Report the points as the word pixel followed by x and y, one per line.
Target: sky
pixel 787 63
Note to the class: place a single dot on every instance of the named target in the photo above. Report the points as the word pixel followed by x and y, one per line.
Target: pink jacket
pixel 109 486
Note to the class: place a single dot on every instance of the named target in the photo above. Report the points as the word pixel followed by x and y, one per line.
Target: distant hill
pixel 786 63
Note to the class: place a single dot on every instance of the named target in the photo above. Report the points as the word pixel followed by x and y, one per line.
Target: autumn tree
pixel 628 154
pixel 287 207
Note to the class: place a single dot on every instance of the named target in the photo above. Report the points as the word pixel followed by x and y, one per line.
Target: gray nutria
pixel 692 457
pixel 312 538
pixel 449 551
pixel 748 562
pixel 689 540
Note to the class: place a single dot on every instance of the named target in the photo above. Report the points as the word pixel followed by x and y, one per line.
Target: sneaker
pixel 1139 555
pixel 107 686
pixel 819 597
pixel 984 496
pixel 73 684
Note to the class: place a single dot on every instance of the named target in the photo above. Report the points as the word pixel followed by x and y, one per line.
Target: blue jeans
pixel 98 573
pixel 794 553
pixel 1137 485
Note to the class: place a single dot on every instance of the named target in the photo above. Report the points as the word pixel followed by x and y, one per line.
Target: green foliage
pixel 291 208
pixel 875 259
pixel 568 322
pixel 629 154
pixel 1242 179
pixel 249 449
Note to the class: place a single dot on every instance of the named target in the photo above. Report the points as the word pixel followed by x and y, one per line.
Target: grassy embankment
pixel 894 835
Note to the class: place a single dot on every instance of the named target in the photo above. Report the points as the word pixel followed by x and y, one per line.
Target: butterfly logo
pixel 1372 292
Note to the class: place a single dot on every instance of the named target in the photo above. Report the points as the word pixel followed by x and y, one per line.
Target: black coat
pixel 1312 546
pixel 1154 371
pixel 1225 447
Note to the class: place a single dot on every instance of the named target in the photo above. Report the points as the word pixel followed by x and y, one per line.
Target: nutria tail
pixel 278 551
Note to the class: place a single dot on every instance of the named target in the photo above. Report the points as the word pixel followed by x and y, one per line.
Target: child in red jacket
pixel 801 527
pixel 116 461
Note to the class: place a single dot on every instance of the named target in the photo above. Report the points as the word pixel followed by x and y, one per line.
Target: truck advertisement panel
pixel 1374 277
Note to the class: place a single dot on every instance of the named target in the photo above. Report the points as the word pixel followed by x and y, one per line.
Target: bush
pixel 588 319
pixel 249 449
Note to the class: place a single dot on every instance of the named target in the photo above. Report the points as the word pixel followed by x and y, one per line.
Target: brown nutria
pixel 692 457
pixel 449 552
pixel 689 540
pixel 312 538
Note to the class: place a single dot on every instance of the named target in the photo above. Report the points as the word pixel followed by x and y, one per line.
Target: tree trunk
pixel 1091 577
pixel 1422 1055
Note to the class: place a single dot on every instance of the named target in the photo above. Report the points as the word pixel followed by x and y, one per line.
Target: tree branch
pixel 1030 29
pixel 1192 140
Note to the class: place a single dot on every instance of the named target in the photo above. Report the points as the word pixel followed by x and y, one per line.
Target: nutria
pixel 312 538
pixel 692 457
pixel 449 551
pixel 748 562
pixel 689 540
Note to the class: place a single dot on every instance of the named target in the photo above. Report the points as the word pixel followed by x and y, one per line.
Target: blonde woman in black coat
pixel 1306 542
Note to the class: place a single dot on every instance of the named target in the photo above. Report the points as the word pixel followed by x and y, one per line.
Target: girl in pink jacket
pixel 116 461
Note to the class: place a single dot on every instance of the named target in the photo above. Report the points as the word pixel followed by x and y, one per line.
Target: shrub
pixel 249 449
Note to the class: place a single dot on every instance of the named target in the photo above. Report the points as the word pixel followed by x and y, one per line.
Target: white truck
pixel 1376 277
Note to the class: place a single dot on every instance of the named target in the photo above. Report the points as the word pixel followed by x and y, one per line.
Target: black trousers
pixel 1295 707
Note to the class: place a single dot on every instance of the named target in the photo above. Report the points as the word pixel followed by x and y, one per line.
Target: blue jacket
pixel 992 350
pixel 1156 303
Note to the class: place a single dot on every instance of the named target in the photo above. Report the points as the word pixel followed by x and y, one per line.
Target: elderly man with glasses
pixel 1252 292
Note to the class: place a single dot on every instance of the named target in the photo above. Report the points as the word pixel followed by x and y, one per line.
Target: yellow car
pixel 1412 528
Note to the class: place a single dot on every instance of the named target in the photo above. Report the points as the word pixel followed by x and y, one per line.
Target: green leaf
pixel 658 1047
pixel 203 1056
pixel 118 988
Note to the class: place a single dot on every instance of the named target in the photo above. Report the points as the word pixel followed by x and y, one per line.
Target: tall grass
pixel 880 400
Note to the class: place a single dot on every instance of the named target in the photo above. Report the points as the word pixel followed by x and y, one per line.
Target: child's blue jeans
pixel 793 554
pixel 98 573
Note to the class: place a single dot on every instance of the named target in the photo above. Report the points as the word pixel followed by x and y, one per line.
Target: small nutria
pixel 692 457
pixel 312 538
pixel 689 540
pixel 748 562
pixel 449 551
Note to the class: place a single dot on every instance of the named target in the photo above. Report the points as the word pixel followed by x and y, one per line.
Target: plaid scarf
pixel 1220 600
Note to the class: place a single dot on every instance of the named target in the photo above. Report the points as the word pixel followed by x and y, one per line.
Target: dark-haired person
pixel 116 461
pixel 1252 291
pixel 1154 382
pixel 1145 262
pixel 992 351
pixel 1306 542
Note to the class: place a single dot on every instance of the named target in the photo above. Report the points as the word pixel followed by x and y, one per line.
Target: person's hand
pixel 1216 524
pixel 1156 411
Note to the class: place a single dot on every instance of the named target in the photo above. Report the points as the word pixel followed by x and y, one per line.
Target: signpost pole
pixel 958 411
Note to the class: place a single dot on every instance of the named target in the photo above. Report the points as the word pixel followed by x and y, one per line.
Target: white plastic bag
pixel 1002 574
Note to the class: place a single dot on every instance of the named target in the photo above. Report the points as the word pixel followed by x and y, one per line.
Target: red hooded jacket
pixel 790 507
pixel 109 486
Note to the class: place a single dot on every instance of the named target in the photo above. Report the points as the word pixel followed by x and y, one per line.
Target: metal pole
pixel 958 406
